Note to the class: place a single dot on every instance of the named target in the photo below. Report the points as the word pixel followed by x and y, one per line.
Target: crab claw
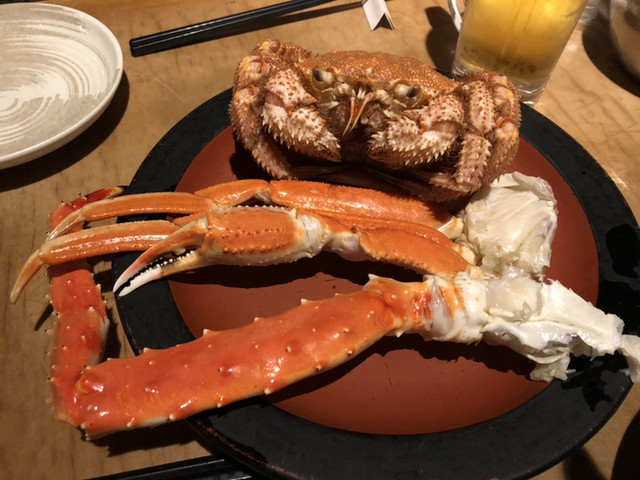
pixel 301 219
pixel 163 202
pixel 272 235
pixel 229 236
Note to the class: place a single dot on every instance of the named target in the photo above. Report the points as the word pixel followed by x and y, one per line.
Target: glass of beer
pixel 522 39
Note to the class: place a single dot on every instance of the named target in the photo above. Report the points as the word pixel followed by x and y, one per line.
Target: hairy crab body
pixel 410 127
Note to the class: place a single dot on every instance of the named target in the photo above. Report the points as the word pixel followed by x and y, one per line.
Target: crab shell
pixel 406 126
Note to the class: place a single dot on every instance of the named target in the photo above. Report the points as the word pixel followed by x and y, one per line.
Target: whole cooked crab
pixel 409 126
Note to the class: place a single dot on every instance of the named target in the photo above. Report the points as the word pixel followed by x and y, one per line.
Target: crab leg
pixel 231 238
pixel 83 244
pixel 320 197
pixel 81 329
pixel 222 367
pixel 356 223
pixel 252 236
pixel 255 69
pixel 480 158
pixel 419 136
pixel 545 322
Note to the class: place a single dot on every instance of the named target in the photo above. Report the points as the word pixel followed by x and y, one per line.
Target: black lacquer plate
pixel 518 444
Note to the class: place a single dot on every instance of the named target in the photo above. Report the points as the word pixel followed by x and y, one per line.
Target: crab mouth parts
pixel 358 103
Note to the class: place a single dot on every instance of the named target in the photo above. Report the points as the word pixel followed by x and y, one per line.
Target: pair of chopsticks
pixel 179 37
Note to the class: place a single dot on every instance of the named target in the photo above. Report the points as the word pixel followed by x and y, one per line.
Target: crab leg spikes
pixel 226 366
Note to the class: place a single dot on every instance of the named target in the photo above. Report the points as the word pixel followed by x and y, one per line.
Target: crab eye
pixel 407 91
pixel 322 76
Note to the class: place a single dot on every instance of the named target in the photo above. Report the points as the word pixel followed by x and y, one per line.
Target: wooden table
pixel 589 96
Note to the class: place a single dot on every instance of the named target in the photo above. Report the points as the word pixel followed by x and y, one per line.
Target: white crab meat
pixel 512 222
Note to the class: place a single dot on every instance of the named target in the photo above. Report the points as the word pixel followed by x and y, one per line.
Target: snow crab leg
pixel 308 217
pixel 316 196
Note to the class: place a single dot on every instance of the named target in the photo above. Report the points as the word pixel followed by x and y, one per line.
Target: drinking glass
pixel 522 39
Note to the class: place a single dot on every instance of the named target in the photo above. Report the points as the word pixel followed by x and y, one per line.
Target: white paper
pixel 376 10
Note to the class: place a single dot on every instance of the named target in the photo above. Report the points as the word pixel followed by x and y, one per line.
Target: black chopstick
pixel 209 468
pixel 179 37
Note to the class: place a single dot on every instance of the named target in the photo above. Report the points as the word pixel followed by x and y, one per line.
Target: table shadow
pixel 441 39
pixel 598 45
pixel 626 462
pixel 581 466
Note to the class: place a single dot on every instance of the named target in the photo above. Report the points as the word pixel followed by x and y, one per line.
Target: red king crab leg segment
pixel 262 357
pixel 80 332
pixel 271 353
pixel 222 367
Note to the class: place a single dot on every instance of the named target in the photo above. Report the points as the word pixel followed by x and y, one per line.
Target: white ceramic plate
pixel 60 69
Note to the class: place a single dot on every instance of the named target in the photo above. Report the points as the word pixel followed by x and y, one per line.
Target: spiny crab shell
pixel 408 126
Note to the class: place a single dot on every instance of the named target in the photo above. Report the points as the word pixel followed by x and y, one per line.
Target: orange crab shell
pixel 381 70
pixel 394 120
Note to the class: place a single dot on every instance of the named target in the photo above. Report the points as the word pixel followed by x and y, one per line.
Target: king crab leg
pixel 222 367
pixel 80 332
